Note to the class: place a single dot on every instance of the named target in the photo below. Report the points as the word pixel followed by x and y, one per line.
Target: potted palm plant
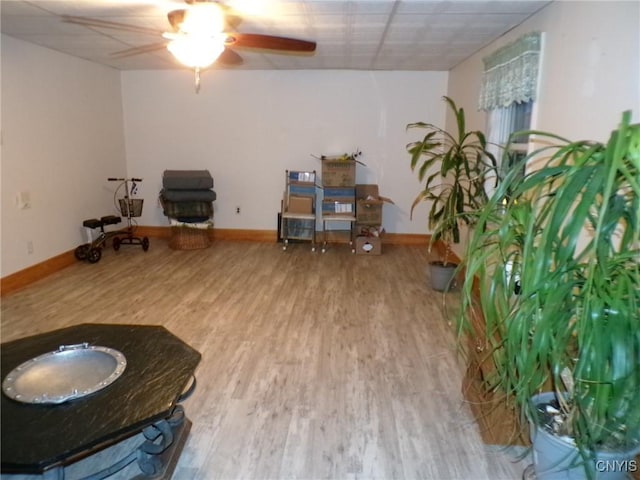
pixel 556 258
pixel 453 167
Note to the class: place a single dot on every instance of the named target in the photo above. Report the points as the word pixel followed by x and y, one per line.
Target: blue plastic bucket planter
pixel 557 458
pixel 442 276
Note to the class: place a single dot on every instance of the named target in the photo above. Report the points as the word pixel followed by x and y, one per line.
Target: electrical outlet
pixel 237 210
pixel 29 247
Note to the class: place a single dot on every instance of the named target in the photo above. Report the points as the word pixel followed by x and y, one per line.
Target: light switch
pixel 23 200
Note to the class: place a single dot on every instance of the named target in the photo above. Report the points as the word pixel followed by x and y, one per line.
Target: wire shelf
pixel 131 207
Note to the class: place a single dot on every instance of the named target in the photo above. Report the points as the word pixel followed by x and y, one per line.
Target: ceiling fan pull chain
pixel 197 72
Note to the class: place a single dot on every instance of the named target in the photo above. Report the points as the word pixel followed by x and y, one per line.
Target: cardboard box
pixel 339 194
pixel 369 212
pixel 369 204
pixel 343 208
pixel 300 204
pixel 360 230
pixel 302 189
pixel 302 177
pixel 366 190
pixel 338 173
pixel 368 245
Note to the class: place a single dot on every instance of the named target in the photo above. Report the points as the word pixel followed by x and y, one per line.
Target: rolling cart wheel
pixel 116 243
pixel 529 473
pixel 82 251
pixel 284 248
pixel 313 249
pixel 145 244
pixel 94 255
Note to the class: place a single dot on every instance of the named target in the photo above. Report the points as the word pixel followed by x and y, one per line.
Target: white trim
pixel 534 110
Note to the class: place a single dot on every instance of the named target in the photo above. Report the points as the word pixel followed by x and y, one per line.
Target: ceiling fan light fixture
pixel 203 19
pixel 196 52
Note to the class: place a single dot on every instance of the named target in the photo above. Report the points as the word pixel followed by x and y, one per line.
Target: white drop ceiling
pixel 359 34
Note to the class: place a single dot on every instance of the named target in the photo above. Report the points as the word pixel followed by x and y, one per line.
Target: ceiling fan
pixel 202 33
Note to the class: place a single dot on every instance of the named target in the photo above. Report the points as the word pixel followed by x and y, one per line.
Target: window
pixel 508 93
pixel 501 123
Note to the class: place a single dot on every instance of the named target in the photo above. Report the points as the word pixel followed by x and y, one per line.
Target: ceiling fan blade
pixel 152 47
pixel 229 57
pixel 269 42
pixel 94 22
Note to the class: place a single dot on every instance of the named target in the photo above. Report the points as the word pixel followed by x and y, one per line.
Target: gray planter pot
pixel 442 276
pixel 556 458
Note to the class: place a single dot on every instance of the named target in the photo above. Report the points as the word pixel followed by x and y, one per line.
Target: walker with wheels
pixel 129 208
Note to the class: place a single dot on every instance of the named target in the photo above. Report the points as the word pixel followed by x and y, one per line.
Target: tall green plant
pixel 453 167
pixel 567 236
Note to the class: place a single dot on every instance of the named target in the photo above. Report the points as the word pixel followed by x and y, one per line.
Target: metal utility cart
pixel 337 218
pixel 339 202
pixel 298 212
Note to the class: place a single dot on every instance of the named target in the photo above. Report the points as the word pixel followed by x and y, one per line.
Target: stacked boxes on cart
pixel 302 192
pixel 343 197
pixel 339 190
pixel 339 186
pixel 302 189
pixel 187 198
pixel 369 219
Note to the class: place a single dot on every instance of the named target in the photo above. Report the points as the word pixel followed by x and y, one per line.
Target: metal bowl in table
pixel 72 371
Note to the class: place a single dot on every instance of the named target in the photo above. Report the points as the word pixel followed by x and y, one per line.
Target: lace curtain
pixel 511 73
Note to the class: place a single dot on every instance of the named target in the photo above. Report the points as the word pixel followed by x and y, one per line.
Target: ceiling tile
pixel 367 34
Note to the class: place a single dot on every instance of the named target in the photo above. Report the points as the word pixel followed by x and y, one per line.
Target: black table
pixel 39 438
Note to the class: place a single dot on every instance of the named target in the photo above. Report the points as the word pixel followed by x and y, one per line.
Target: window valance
pixel 511 73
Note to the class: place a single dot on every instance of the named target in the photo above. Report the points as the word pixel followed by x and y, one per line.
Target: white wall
pixel 590 69
pixel 61 138
pixel 62 125
pixel 247 127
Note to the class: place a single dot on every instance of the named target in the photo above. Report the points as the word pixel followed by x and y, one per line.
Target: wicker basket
pixel 186 238
pixel 132 208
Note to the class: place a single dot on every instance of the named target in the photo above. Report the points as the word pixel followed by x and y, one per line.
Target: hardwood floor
pixel 314 366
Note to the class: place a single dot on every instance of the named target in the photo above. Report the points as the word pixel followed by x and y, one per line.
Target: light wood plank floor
pixel 314 366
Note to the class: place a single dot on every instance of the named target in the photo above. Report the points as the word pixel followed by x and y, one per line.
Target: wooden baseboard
pixel 408 239
pixel 498 420
pixel 22 278
pixel 269 236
